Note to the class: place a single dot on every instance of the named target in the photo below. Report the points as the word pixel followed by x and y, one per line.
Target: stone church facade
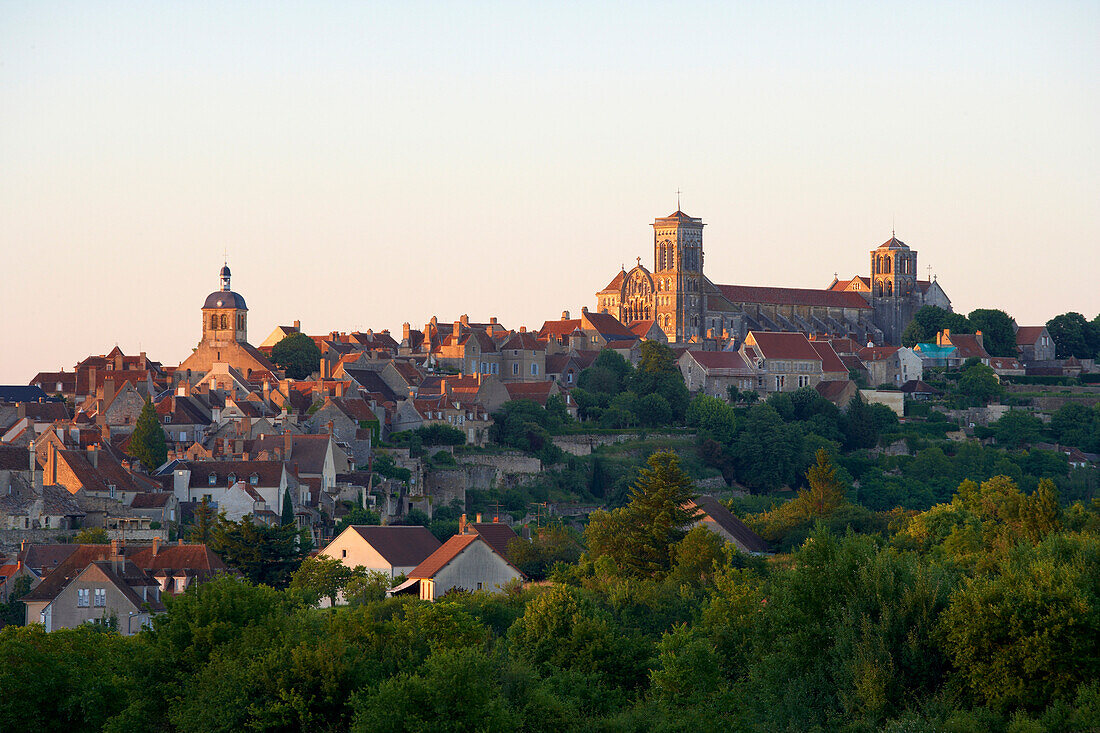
pixel 688 307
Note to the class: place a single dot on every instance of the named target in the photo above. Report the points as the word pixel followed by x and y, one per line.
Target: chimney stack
pixel 297 325
pixel 565 315
pixel 405 329
pixel 478 518
pixel 288 444
pixel 461 526
pixel 156 545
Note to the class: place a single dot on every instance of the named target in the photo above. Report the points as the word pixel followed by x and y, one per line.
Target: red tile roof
pixel 877 353
pixel 719 359
pixel 773 345
pixel 448 551
pixel 1028 335
pixel 830 362
pixel 537 391
pixel 792 296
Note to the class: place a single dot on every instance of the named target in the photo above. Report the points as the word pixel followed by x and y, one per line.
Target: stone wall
pixel 446 485
pixel 584 443
pixel 486 471
pixel 11 539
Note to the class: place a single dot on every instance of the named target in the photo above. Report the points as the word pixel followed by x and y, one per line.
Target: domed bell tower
pixel 224 314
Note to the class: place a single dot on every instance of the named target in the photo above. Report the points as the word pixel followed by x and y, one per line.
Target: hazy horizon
pixel 367 165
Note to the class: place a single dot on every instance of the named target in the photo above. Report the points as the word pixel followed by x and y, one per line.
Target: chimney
pixel 523 329
pixel 443 386
pixel 464 319
pixel 105 433
pixel 156 545
pixel 31 455
pixel 479 378
pixel 91 387
pixel 493 320
pixel 979 338
pixel 584 309
pixel 108 390
pixel 405 330
pixel 93 455
pixel 288 444
pixel 297 325
pixel 478 515
pixel 461 526
pixel 565 315
pixel 330 427
pixel 456 328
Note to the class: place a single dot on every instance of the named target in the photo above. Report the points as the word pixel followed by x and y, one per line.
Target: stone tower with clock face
pixel 678 276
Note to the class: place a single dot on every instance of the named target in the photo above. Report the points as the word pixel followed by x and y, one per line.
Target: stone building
pixel 224 336
pixel 687 306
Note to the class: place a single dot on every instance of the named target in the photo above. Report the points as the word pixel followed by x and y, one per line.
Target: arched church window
pixel 213 321
pixel 225 322
pixel 888 265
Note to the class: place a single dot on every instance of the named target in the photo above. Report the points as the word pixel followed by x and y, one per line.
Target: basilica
pixel 681 301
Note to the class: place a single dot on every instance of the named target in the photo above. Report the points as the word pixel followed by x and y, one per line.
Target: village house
pixel 1034 344
pixel 464 562
pixel 722 522
pixel 786 362
pixel 892 365
pixel 713 373
pixel 391 549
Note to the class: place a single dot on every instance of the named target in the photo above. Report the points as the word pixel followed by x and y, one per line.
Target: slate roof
pixel 308 451
pixel 44 558
pixel 731 524
pixel 268 473
pixel 537 391
pixel 792 296
pixel 400 545
pixel 20 393
pixel 14 458
pixel 832 389
pixel 496 534
pixel 372 381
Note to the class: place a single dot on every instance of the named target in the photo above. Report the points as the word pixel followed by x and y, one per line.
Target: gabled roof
pixel 774 345
pixel 1028 335
pixel 537 391
pixel 354 408
pixel 451 549
pixel 721 516
pixel 968 346
pixel 400 545
pixel 14 458
pixel 608 326
pixel 268 473
pixel 308 451
pixel 19 393
pixel 616 282
pixel 832 389
pixel 46 557
pixel 496 534
pixel 523 340
pixel 877 353
pixel 916 386
pixel 199 559
pixel 719 359
pixel 559 329
pixel 830 362
pixel 792 296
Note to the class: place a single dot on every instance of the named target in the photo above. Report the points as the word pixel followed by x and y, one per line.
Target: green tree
pixel 91 536
pixel 267 555
pixel 928 321
pixel 713 418
pixel 1030 634
pixel 639 536
pixel 766 450
pixel 653 411
pixel 657 373
pixel 287 517
pixel 147 443
pixel 1074 336
pixel 357 515
pixel 324 578
pixel 980 384
pixel 1017 428
pixel 205 523
pixel 297 355
pixel 998 333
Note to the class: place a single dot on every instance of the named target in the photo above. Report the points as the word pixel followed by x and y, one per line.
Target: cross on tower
pixel 677 199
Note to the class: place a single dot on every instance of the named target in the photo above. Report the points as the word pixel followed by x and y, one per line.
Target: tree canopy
pixel 296 354
pixel 998 334
pixel 147 442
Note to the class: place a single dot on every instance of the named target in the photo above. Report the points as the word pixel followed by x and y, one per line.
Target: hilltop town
pixel 485 457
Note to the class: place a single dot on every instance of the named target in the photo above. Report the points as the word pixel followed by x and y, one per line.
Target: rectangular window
pixel 534 370
pixel 479 586
pixel 343 553
pixel 515 368
pixel 100 597
pixel 82 597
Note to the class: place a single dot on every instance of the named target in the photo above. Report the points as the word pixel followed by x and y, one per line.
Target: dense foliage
pixel 147 442
pixel 980 614
pixel 296 354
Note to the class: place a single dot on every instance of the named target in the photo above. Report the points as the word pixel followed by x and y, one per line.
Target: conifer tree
pixel 287 517
pixel 147 443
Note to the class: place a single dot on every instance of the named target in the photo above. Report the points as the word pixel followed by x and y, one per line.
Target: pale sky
pixel 366 164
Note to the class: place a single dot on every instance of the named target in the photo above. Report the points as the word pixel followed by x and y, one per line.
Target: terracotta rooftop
pixel 772 345
pixel 792 296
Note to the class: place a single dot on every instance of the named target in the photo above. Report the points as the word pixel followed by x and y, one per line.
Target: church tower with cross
pixel 678 275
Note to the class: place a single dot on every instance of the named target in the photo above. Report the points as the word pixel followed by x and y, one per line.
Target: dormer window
pixel 167 419
pixel 232 479
pixel 212 479
pixel 253 479
pixel 111 490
